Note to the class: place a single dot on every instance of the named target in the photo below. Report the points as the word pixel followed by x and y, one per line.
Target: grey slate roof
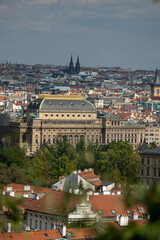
pixel 35 104
pixel 61 104
pixel 155 151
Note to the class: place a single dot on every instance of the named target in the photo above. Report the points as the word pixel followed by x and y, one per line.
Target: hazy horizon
pixel 123 33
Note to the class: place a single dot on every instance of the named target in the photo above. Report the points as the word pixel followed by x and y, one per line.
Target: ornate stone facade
pixel 50 117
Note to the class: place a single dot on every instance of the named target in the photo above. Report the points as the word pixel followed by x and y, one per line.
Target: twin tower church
pixel 74 70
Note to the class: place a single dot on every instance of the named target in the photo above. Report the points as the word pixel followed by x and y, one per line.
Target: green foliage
pixel 119 162
pixel 13 214
pixel 14 165
pixel 152 146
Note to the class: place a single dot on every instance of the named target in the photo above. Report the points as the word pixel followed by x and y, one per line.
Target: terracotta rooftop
pixel 19 188
pixel 55 203
pixel 60 203
pixel 82 233
pixel 34 235
pixel 107 203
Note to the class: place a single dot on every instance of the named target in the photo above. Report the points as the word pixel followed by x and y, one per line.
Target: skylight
pixel 113 211
pixel 100 212
pixel 128 211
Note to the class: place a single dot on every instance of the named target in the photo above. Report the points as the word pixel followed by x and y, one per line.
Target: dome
pixel 63 103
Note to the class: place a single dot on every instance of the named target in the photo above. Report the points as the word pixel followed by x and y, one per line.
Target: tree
pixel 152 146
pixel 10 211
pixel 119 162
pixel 41 168
pixel 62 166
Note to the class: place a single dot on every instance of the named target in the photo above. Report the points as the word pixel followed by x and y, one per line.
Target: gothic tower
pixel 71 67
pixel 77 67
pixel 155 86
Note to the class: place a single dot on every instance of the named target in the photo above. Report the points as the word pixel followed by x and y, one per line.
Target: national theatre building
pixel 50 117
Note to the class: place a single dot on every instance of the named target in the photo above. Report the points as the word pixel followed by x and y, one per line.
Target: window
pixel 147 171
pixel 40 225
pixel 155 162
pixel 84 115
pixel 148 161
pixel 142 172
pixel 154 172
pixel 113 211
pixel 67 115
pixel 36 224
pixel 157 91
pixel 45 225
pixel 62 115
pixel 142 161
pixel 57 115
pixel 46 115
pixel 31 223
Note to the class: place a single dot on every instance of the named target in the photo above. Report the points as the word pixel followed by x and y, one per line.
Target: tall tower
pixel 71 67
pixel 77 67
pixel 155 86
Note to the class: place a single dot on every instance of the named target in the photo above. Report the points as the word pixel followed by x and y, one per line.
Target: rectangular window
pixel 31 223
pixel 40 227
pixel 45 225
pixel 36 224
pixel 141 172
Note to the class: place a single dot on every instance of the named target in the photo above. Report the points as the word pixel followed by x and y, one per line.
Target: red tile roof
pixel 55 203
pixel 19 188
pixel 107 203
pixel 82 233
pixel 34 235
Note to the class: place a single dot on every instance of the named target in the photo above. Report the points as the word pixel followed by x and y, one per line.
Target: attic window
pixel 113 211
pixel 83 104
pixel 38 206
pixel 61 103
pixel 55 210
pixel 100 211
pixel 50 103
pixel 128 211
pixel 141 209
pixel 46 235
pixel 121 198
pixel 72 103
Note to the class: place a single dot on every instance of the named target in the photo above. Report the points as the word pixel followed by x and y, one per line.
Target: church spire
pixel 71 67
pixel 157 79
pixel 77 67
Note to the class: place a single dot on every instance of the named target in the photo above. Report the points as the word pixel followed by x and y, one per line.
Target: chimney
pixel 123 221
pixel 87 197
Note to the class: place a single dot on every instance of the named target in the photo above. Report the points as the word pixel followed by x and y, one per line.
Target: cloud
pixel 39 26
pixel 44 2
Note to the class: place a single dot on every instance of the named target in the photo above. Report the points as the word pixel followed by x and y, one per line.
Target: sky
pixel 107 33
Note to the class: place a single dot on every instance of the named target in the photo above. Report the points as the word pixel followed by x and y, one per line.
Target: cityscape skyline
pixel 104 33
